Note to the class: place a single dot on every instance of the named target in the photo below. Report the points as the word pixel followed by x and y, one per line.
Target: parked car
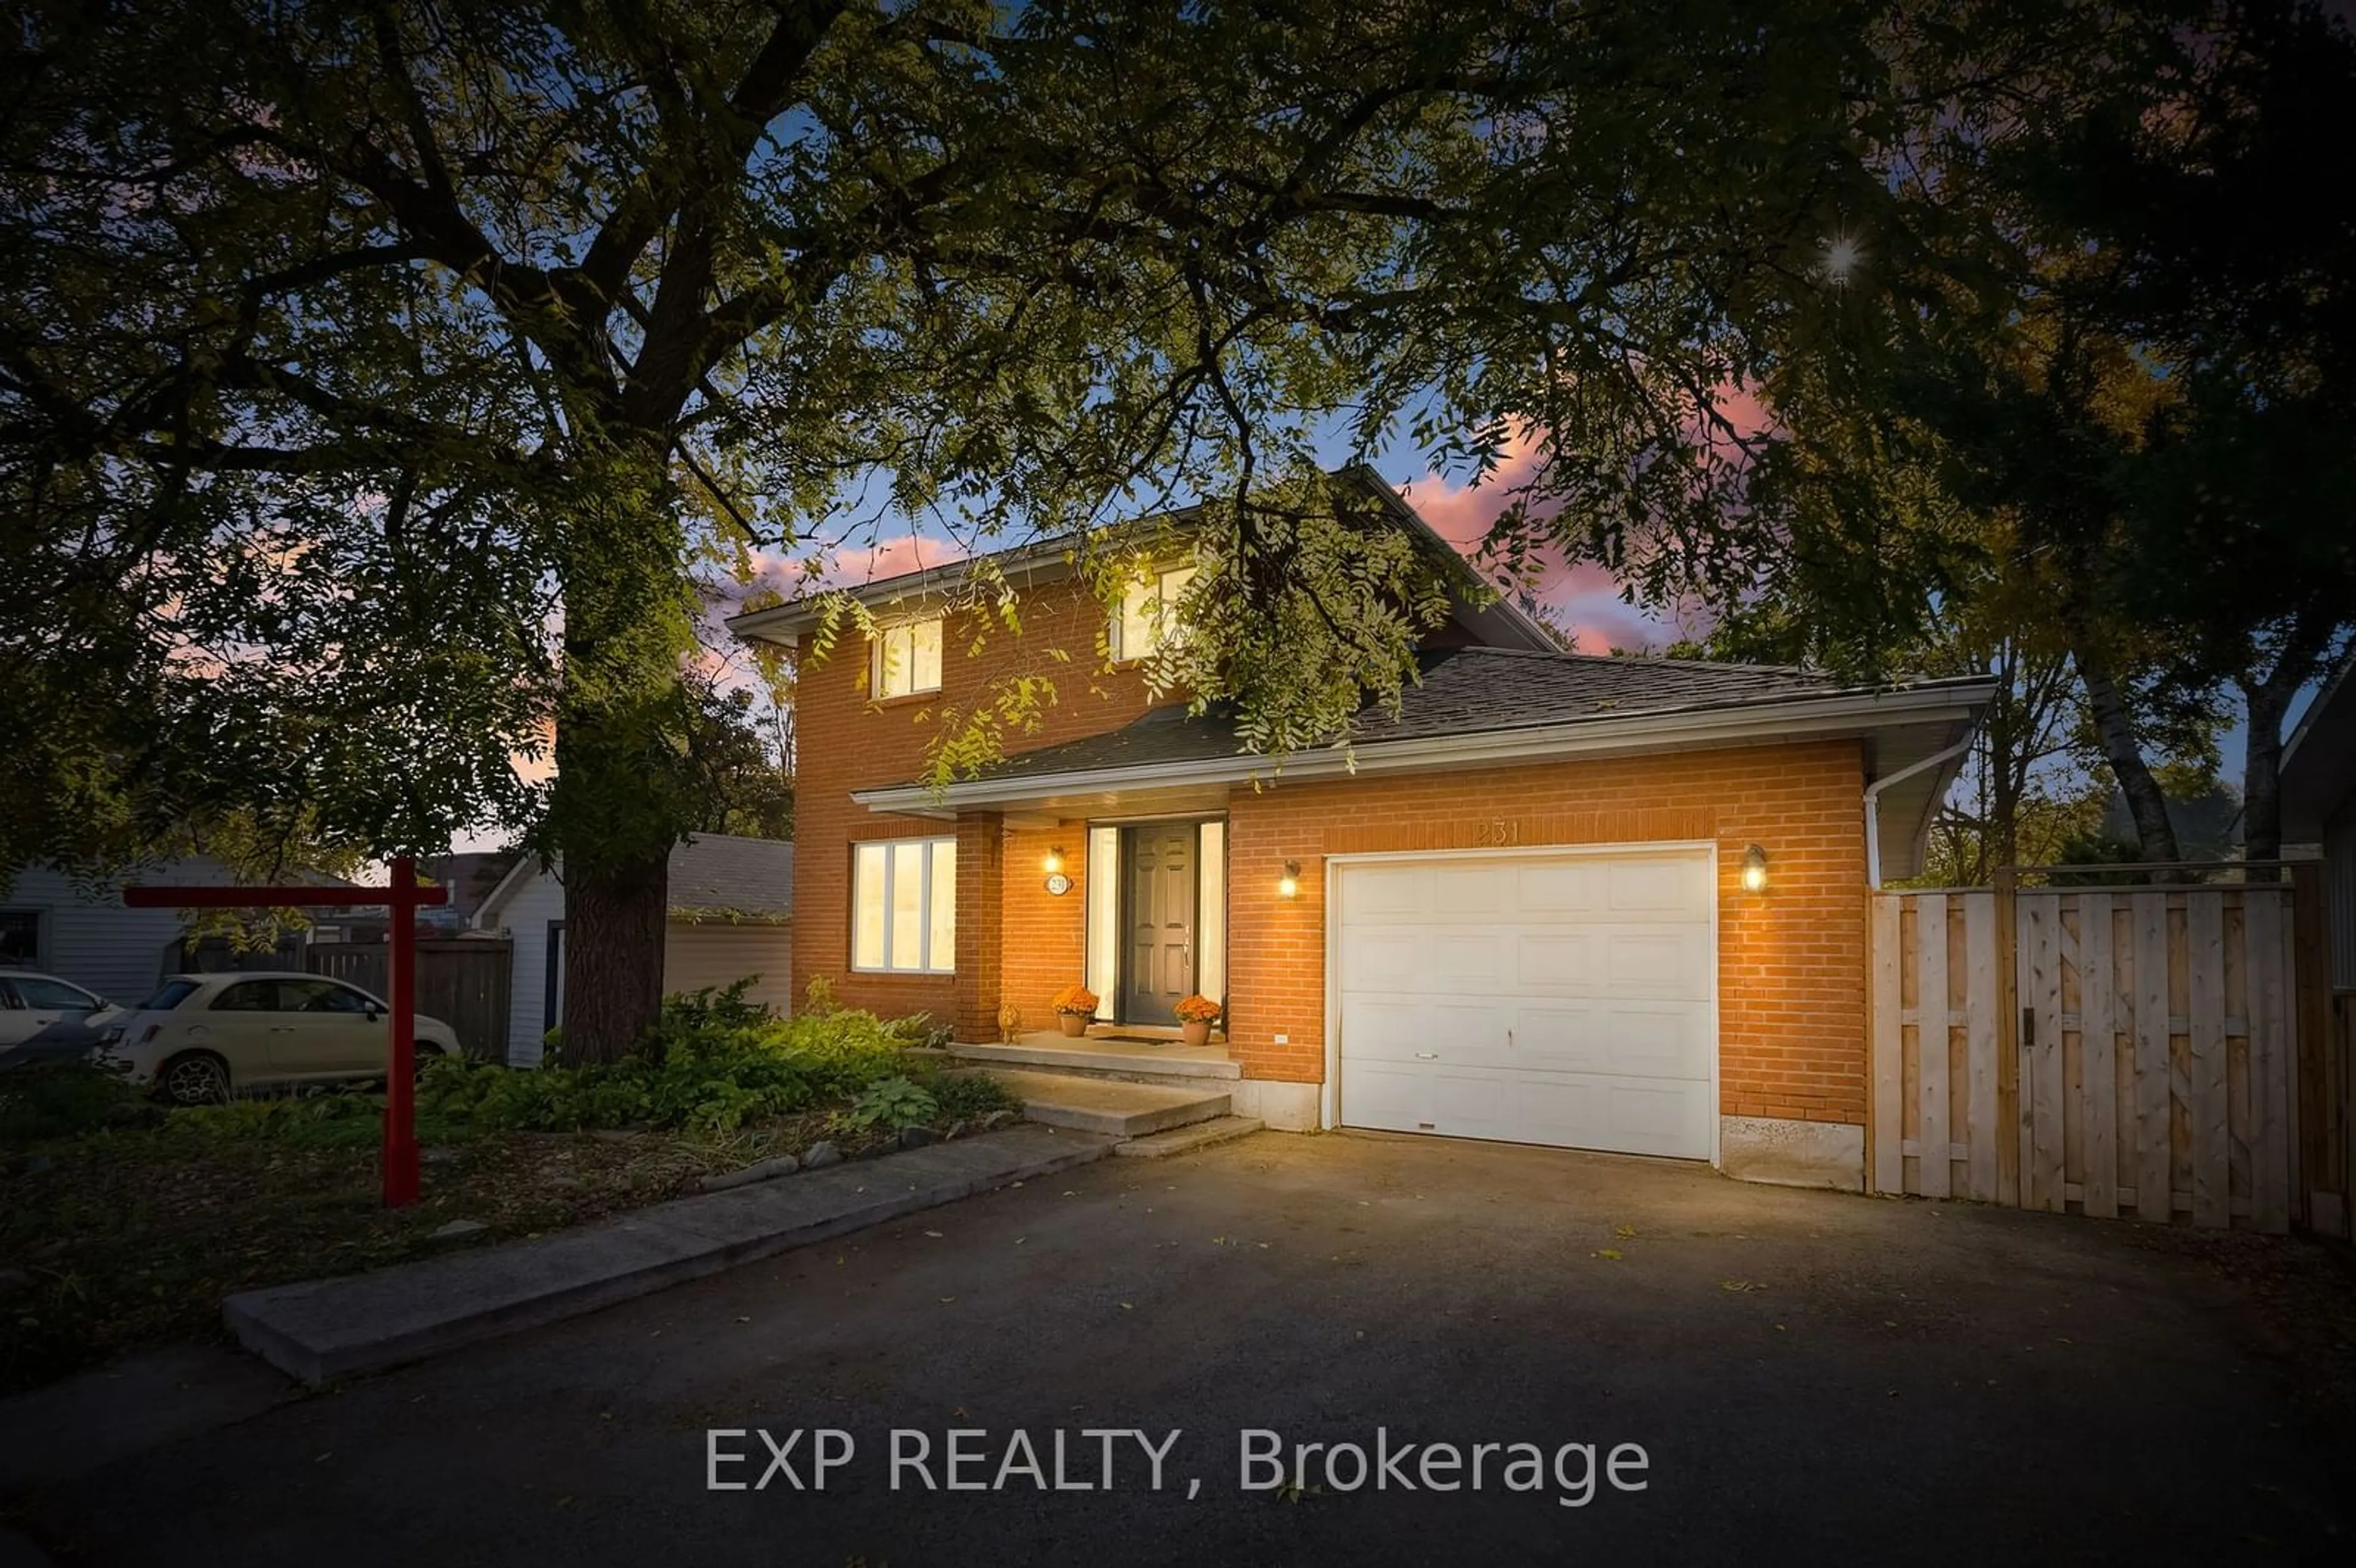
pixel 201 1038
pixel 44 1019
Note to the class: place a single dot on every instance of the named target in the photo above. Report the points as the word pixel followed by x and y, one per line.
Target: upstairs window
pixel 1148 612
pixel 908 659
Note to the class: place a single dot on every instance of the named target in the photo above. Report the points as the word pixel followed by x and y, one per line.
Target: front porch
pixel 1136 1052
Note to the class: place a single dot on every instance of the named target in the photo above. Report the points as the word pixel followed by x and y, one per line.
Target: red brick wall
pixel 1791 966
pixel 844 741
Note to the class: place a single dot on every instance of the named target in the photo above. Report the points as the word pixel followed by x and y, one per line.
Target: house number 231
pixel 1496 830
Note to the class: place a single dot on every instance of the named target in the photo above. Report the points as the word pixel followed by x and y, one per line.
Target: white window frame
pixel 1164 615
pixel 879 650
pixel 892 848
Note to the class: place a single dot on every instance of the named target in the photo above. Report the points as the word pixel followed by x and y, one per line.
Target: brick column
pixel 980 923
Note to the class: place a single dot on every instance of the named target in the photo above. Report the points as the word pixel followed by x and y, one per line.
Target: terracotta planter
pixel 1075 1025
pixel 1195 1031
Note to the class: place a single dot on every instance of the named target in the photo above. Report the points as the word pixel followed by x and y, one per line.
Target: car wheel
pixel 194 1078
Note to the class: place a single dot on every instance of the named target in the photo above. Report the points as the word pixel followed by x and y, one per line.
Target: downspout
pixel 1873 805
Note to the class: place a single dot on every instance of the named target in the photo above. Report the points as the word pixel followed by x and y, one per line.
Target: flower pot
pixel 1073 1025
pixel 1195 1031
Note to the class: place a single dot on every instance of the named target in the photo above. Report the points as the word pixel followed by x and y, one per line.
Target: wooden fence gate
pixel 2107 1051
pixel 463 981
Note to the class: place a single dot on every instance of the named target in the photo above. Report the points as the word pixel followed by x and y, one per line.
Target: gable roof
pixel 1500 623
pixel 1490 707
pixel 2319 762
pixel 722 874
pixel 1463 692
pixel 713 875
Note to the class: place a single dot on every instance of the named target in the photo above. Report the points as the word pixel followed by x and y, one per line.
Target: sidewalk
pixel 323 1329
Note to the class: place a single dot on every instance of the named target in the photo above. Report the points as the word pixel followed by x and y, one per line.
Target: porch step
pixel 1127 1063
pixel 1103 1105
pixel 1197 1135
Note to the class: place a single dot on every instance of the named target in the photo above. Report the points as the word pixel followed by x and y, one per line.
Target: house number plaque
pixel 1497 830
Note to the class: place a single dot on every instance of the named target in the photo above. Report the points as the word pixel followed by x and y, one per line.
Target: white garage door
pixel 1559 998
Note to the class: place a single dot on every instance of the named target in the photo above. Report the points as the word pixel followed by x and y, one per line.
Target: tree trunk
pixel 614 920
pixel 624 792
pixel 2115 728
pixel 2262 774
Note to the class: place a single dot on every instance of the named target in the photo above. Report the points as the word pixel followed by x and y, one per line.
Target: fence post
pixel 2319 1158
pixel 2007 1039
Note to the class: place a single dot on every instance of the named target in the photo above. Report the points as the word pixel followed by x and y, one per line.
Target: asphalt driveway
pixel 1808 1376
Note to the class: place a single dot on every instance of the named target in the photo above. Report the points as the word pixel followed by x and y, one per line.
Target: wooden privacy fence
pixel 2111 1050
pixel 463 981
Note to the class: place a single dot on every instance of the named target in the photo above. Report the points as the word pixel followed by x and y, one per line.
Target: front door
pixel 1158 905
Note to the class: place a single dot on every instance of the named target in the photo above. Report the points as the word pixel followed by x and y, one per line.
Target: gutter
pixel 1682 729
pixel 1873 805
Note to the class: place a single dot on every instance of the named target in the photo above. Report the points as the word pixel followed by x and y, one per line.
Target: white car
pixel 202 1038
pixel 43 1017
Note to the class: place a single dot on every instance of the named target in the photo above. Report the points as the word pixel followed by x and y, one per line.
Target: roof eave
pixel 1675 730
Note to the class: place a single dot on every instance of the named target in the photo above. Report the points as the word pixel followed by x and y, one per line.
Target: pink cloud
pixel 1580 596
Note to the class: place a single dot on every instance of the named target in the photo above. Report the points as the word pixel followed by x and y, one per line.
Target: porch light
pixel 1288 886
pixel 1754 870
pixel 1054 862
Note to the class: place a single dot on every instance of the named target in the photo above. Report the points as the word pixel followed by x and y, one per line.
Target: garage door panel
pixel 1557 960
pixel 1660 961
pixel 1483 890
pixel 1390 1096
pixel 1659 886
pixel 1543 999
pixel 1377 891
pixel 1560 888
pixel 1394 1029
pixel 1562 1109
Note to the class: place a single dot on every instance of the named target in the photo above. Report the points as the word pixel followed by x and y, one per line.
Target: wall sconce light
pixel 1754 870
pixel 1288 886
pixel 1054 862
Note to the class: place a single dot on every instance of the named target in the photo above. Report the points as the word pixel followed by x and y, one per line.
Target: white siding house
pixel 731 916
pixel 49 923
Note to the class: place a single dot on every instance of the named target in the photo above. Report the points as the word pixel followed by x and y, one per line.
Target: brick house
pixel 1610 903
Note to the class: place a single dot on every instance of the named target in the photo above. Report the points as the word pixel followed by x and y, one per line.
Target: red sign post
pixel 405 897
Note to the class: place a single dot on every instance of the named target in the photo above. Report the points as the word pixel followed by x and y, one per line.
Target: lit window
pixel 903 906
pixel 907 659
pixel 1148 612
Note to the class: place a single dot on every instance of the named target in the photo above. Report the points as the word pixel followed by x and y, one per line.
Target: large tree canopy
pixel 376 375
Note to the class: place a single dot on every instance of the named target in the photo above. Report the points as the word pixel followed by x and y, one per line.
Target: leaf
pixel 1610 1254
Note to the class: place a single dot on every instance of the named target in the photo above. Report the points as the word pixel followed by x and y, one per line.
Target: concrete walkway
pixel 323 1329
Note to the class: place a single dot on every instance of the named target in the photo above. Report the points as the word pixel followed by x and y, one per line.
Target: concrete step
pixel 1122 1060
pixel 1103 1105
pixel 327 1329
pixel 1194 1135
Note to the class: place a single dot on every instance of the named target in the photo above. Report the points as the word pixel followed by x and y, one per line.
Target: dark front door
pixel 1158 903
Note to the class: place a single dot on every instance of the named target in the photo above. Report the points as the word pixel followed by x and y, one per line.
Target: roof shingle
pixel 1462 691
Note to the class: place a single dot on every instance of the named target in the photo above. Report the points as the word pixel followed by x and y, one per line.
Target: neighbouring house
pixel 732 908
pixel 1607 904
pixel 81 932
pixel 2319 808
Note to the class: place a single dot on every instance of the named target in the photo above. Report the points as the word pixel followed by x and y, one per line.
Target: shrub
pixel 893 1103
pixel 309 1121
pixel 965 1096
pixel 719 1061
pixel 63 1100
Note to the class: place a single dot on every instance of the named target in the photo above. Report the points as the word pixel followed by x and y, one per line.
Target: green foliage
pixel 718 1062
pixel 63 1099
pixel 328 1119
pixel 967 1096
pixel 893 1103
